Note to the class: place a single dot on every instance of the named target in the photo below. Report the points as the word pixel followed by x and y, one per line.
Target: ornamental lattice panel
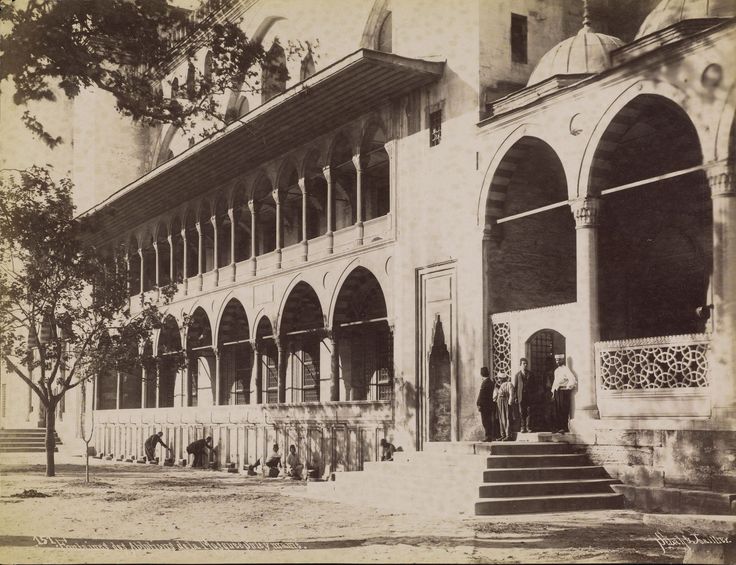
pixel 673 363
pixel 501 348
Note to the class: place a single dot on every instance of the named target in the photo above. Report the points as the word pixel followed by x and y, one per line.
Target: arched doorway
pixel 364 339
pixel 655 238
pixel 200 361
pixel 302 329
pixel 235 355
pixel 541 349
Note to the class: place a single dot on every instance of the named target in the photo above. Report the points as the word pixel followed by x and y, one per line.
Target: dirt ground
pixel 181 513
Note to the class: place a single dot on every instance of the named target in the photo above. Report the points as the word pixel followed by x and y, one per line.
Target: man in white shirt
pixel 562 388
pixel 272 464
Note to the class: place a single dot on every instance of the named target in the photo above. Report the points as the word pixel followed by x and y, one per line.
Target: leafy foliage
pixel 123 47
pixel 64 305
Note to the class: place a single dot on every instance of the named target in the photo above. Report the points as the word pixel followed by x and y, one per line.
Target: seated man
pixel 294 466
pixel 197 449
pixel 273 462
pixel 387 450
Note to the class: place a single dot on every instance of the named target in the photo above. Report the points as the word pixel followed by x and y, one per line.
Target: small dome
pixel 587 52
pixel 670 12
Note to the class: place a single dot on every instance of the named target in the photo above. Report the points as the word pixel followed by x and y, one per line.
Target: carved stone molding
pixel 586 212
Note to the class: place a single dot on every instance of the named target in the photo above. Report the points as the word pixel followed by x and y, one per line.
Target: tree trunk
pixel 50 440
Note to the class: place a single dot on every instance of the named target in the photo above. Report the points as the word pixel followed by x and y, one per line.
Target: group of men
pixel 524 402
pixel 294 467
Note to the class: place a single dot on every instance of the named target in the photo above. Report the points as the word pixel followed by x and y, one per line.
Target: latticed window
pixel 310 379
pixel 435 128
pixel 271 376
pixel 193 380
pixel 385 367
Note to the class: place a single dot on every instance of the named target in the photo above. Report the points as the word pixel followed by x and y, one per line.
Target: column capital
pixel 586 211
pixel 357 162
pixel 198 225
pixel 327 171
pixel 213 220
pixel 276 196
pixel 252 206
pixel 155 245
pixel 721 181
pixel 302 182
pixel 169 238
pixel 493 232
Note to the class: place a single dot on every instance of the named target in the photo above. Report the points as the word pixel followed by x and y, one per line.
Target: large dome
pixel 670 12
pixel 587 52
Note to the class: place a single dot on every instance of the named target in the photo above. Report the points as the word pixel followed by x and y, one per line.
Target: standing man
pixel 197 448
pixel 562 388
pixel 522 383
pixel 485 403
pixel 151 444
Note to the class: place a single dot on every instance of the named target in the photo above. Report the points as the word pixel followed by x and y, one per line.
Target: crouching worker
pixel 151 444
pixel 197 448
pixel 273 463
pixel 294 467
pixel 387 450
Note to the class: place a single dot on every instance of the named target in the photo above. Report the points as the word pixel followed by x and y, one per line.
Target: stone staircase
pixel 28 440
pixel 518 477
pixel 529 477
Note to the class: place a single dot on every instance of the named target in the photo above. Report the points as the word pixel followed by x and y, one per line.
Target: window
pixel 272 378
pixel 435 128
pixel 518 39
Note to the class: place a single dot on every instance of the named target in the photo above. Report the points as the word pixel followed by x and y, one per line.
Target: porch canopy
pixel 337 94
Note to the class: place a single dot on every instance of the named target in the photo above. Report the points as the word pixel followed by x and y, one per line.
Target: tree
pixel 123 47
pixel 64 304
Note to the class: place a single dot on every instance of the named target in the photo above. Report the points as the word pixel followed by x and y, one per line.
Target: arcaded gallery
pixel 438 187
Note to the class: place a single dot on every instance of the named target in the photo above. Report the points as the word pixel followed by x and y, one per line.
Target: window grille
pixel 272 379
pixel 435 128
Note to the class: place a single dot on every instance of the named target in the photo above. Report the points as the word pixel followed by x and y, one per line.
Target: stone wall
pixel 333 436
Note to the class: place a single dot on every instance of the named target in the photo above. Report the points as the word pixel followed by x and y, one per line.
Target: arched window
pixel 175 88
pixel 191 87
pixel 384 41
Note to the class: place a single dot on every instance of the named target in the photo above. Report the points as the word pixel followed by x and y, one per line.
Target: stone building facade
pixel 439 187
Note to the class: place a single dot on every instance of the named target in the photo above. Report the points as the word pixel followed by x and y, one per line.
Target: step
pixel 560 503
pixel 507 475
pixel 548 460
pixel 546 488
pixel 530 448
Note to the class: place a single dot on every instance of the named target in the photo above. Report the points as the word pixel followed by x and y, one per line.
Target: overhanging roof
pixel 335 95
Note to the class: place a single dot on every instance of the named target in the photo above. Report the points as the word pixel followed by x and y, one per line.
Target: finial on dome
pixel 586 15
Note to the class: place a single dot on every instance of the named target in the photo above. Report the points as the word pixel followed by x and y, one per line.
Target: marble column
pixel 358 199
pixel 334 366
pixel 216 249
pixel 277 199
pixel 327 172
pixel 185 273
pixel 200 258
pixel 282 353
pixel 253 211
pixel 586 212
pixel 723 353
pixel 303 188
pixel 231 215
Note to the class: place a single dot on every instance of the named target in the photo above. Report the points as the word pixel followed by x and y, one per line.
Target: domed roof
pixel 587 52
pixel 670 12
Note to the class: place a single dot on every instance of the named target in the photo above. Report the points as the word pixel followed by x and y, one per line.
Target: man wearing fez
pixel 562 388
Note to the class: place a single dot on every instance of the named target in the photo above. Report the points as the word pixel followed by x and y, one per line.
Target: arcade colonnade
pixel 299 358
pixel 630 275
pixel 307 205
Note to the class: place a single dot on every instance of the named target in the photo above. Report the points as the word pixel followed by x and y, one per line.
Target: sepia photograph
pixel 367 281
